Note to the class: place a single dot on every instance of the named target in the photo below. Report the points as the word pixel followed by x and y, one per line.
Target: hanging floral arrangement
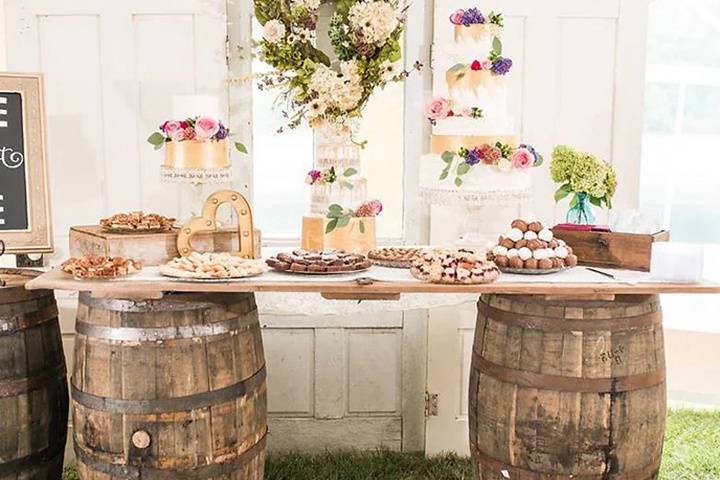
pixel 365 36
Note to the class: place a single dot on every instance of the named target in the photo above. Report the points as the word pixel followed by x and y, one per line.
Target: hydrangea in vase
pixel 591 181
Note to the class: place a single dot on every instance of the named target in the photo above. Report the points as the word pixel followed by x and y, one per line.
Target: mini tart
pixel 395 257
pixel 454 267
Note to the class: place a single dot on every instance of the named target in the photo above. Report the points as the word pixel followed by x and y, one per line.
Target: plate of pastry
pixel 395 257
pixel 529 248
pixel 454 267
pixel 211 267
pixel 329 262
pixel 94 267
pixel 137 222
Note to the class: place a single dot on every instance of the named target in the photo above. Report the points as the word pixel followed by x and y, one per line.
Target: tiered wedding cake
pixel 336 179
pixel 340 216
pixel 475 157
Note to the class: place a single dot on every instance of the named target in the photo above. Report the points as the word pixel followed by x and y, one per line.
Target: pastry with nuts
pixel 212 266
pixel 454 267
pixel 100 268
pixel 319 263
pixel 394 257
pixel 137 222
pixel 531 248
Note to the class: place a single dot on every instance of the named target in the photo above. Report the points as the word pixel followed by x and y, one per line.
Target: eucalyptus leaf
pixel 444 174
pixel 349 172
pixel 463 169
pixel 448 157
pixel 343 221
pixel 457 68
pixel 241 148
pixel 348 185
pixel 497 46
pixel 335 208
pixel 332 224
pixel 458 182
pixel 362 226
pixel 157 139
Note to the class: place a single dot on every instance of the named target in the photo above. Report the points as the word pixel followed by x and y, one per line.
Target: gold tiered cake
pixel 336 182
pixel 475 158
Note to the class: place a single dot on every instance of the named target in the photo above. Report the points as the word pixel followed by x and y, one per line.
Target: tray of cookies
pixel 211 267
pixel 93 267
pixel 137 222
pixel 330 262
pixel 454 267
pixel 529 248
pixel 395 257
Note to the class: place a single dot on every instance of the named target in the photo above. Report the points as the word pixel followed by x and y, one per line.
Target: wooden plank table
pixel 544 353
pixel 56 280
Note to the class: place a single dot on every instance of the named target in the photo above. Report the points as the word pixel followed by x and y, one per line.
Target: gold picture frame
pixel 25 224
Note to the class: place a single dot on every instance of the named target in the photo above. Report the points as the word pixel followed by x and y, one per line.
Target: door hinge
pixel 432 401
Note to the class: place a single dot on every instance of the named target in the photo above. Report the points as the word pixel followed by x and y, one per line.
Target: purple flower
pixel 473 16
pixel 222 132
pixel 501 66
pixel 473 157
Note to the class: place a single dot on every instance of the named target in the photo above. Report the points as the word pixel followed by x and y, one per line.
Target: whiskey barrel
pixel 169 389
pixel 567 389
pixel 33 382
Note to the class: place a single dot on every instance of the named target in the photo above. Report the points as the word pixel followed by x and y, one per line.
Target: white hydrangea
pixel 340 90
pixel 389 70
pixel 373 21
pixel 274 31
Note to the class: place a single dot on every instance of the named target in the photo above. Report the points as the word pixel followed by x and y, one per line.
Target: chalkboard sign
pixel 25 223
pixel 13 175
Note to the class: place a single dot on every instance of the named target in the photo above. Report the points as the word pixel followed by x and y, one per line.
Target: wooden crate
pixel 150 248
pixel 612 250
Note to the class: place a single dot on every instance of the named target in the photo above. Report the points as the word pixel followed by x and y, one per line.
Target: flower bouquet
pixel 592 181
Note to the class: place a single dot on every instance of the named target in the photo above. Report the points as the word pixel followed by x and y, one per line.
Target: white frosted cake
pixel 475 155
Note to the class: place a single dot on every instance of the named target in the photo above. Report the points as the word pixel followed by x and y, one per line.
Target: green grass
pixel 692 452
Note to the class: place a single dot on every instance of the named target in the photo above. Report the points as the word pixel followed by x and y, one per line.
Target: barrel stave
pixel 187 372
pixel 33 386
pixel 567 387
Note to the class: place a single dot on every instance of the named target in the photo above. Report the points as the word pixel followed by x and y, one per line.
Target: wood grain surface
pixel 173 388
pixel 33 385
pixel 567 389
pixel 353 290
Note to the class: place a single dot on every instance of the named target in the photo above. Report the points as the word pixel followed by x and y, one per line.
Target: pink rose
pixel 177 135
pixel 171 127
pixel 522 159
pixel 206 128
pixel 457 17
pixel 438 108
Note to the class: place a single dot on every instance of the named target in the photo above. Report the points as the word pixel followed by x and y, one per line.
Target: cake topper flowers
pixel 340 217
pixel 192 128
pixel 365 36
pixel 500 156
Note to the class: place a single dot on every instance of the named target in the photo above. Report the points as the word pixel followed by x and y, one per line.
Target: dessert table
pixel 567 376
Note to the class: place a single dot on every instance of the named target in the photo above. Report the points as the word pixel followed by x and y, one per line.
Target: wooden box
pixel 612 250
pixel 150 248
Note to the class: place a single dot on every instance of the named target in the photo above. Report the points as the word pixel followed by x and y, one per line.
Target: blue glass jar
pixel 581 210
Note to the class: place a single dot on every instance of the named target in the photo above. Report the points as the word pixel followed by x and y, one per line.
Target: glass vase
pixel 581 210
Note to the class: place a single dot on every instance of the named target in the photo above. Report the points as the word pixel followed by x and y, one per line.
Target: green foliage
pixel 692 452
pixel 582 172
pixel 157 140
pixel 241 148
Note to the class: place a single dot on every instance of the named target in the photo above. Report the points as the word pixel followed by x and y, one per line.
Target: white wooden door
pixel 578 80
